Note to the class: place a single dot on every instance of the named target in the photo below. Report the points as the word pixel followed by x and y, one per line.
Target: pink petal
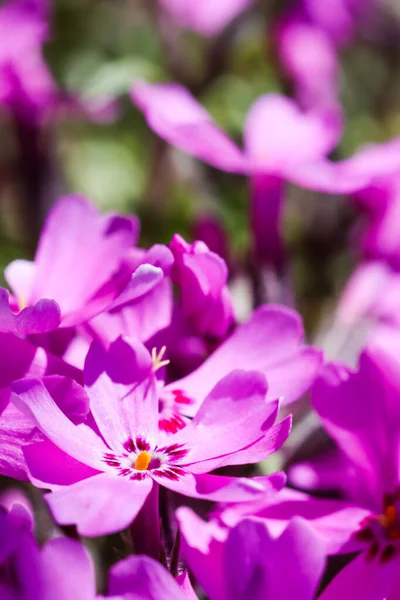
pixel 278 135
pixel 31 396
pixel 175 115
pixel 265 573
pixel 89 247
pixel 218 488
pixel 142 318
pixel 49 467
pixel 42 317
pixel 203 548
pixel 99 505
pixel 67 570
pixel 16 431
pixel 122 392
pixel 20 275
pixel 363 580
pixel 268 444
pixel 270 338
pixel 143 577
pixel 232 417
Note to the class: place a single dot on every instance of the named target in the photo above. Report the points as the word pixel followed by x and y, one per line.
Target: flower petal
pixel 67 570
pixel 49 467
pixel 231 418
pixel 176 116
pixel 143 577
pixel 31 396
pixel 122 392
pixel 99 505
pixel 218 488
pixel 363 580
pixel 271 337
pixel 278 135
pixel 42 317
pixel 89 248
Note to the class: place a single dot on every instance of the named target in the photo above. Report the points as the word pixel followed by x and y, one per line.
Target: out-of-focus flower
pixel 143 578
pixel 60 569
pixel 26 83
pixel 202 277
pixel 81 268
pixel 279 140
pixel 381 233
pixel 101 483
pixel 360 410
pixel 247 562
pixel 206 17
pixel 338 18
pixel 310 59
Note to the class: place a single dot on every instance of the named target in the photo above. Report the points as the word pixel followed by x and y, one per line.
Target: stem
pixel 145 529
pixel 33 172
pixel 268 268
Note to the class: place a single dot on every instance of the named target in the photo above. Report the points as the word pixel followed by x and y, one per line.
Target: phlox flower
pixel 279 139
pixel 102 473
pixel 60 569
pixel 26 83
pixel 82 267
pixel 360 410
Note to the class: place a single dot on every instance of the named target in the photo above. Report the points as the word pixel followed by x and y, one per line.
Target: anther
pixel 157 358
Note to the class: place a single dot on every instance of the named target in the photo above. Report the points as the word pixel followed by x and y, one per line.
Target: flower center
pixel 143 460
pixel 382 531
pixel 389 521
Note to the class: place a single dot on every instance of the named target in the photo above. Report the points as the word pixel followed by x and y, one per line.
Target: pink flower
pixel 82 267
pixel 102 476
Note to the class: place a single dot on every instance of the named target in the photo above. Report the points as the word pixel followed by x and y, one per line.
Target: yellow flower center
pixel 143 460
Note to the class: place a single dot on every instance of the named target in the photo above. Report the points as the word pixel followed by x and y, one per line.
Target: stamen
pixel 390 514
pixel 157 358
pixel 22 302
pixel 143 460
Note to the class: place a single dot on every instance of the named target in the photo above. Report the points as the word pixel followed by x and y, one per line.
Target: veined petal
pixel 31 396
pixel 232 417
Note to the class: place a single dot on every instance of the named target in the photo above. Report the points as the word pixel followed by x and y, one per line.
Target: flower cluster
pixel 136 403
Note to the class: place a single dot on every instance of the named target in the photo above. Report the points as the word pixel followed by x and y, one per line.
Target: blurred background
pixel 76 130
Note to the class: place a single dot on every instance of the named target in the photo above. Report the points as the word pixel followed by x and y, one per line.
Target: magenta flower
pixel 360 410
pixel 206 17
pixel 247 562
pixel 82 267
pixel 202 277
pixel 102 476
pixel 279 140
pixel 26 83
pixel 60 569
